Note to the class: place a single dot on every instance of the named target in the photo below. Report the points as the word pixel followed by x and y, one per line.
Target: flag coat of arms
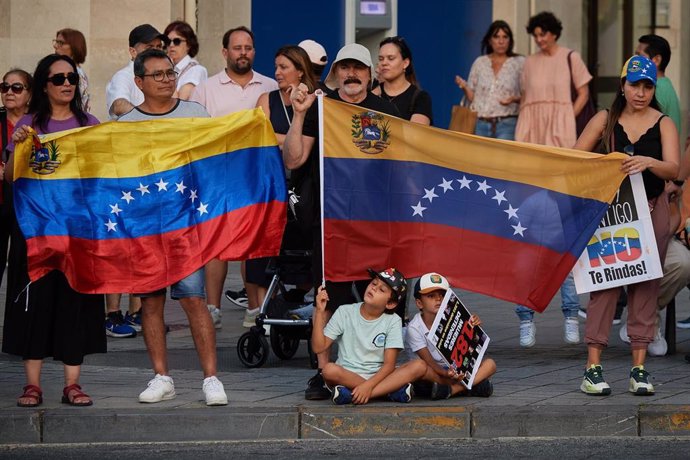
pixel 137 206
pixel 501 218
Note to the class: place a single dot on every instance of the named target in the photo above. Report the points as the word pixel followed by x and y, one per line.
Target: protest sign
pixel 623 249
pixel 461 345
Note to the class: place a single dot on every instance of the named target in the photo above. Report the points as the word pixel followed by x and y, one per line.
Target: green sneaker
pixel 639 382
pixel 593 382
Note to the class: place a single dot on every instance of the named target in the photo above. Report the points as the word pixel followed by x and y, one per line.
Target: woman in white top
pixel 493 86
pixel 182 49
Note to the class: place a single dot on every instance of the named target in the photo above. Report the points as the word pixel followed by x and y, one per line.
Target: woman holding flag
pixel 47 317
pixel 635 125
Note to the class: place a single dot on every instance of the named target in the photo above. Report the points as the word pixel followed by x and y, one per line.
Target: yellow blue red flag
pixel 137 206
pixel 501 218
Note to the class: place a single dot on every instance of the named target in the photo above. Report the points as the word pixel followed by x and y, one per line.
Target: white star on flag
pixel 483 186
pixel 180 187
pixel 127 196
pixel 202 208
pixel 192 195
pixel 500 197
pixel 144 189
pixel 110 225
pixel 418 210
pixel 115 209
pixel 511 211
pixel 430 195
pixel 464 182
pixel 446 185
pixel 162 185
pixel 519 229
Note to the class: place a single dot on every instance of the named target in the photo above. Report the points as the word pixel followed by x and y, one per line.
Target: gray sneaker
pixel 215 316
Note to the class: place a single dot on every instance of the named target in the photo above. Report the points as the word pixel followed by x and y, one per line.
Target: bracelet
pixel 679 183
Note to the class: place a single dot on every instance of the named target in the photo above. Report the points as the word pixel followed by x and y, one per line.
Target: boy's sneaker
pixel 593 382
pixel 483 389
pixel 214 392
pixel 341 395
pixel 238 298
pixel 440 391
pixel 134 320
pixel 115 326
pixel 658 347
pixel 639 382
pixel 684 323
pixel 160 388
pixel 528 334
pixel 250 317
pixel 403 395
pixel 316 389
pixel 582 312
pixel 571 331
pixel 215 316
pixel 623 333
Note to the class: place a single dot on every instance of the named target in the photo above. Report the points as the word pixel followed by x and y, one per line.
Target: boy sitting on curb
pixel 369 336
pixel 428 293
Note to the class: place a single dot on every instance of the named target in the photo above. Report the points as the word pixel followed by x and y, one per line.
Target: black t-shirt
pixel 412 100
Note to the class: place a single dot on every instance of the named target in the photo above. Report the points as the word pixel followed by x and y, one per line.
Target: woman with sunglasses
pixel 72 43
pixel 15 91
pixel 182 49
pixel 398 82
pixel 47 317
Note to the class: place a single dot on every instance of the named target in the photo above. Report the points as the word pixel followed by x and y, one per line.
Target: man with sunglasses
pixel 122 94
pixel 155 76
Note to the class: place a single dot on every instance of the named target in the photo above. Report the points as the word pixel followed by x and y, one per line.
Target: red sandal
pixel 31 392
pixel 71 392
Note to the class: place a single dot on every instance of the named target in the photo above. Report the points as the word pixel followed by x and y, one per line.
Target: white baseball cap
pixel 317 53
pixel 429 283
pixel 352 51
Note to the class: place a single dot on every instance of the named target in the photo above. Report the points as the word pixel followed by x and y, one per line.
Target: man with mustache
pixel 350 77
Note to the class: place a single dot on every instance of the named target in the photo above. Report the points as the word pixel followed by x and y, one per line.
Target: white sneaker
pixel 160 388
pixel 623 333
pixel 658 347
pixel 571 331
pixel 214 392
pixel 250 317
pixel 215 316
pixel 528 334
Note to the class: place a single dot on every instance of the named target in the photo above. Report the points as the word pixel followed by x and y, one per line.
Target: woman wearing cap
pixel 398 82
pixel 70 42
pixel 493 86
pixel 47 317
pixel 182 49
pixel 634 124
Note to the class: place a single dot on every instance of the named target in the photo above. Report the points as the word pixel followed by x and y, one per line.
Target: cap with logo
pixel 429 283
pixel 393 278
pixel 639 68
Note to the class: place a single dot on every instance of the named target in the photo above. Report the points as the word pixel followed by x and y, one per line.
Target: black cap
pixel 145 33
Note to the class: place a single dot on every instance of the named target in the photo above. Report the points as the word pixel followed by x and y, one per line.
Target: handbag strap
pixel 4 128
pixel 573 90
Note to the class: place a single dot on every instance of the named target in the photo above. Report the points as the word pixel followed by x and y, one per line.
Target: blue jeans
pixel 505 129
pixel 570 302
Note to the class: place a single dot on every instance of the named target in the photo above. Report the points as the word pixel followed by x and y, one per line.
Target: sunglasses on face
pixel 16 88
pixel 59 78
pixel 177 41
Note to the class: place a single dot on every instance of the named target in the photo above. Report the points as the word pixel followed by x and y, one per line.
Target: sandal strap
pixel 32 391
pixel 75 389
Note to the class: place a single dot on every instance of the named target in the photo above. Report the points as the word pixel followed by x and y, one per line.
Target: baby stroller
pixel 290 267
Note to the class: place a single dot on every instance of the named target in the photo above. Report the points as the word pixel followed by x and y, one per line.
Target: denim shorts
pixel 191 286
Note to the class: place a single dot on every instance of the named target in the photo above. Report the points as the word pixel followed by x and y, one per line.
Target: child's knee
pixel 489 365
pixel 330 372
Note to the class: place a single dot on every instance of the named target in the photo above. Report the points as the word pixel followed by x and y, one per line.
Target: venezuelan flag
pixel 500 218
pixel 137 206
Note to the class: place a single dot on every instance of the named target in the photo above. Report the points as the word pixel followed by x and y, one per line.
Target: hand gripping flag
pixel 501 218
pixel 137 206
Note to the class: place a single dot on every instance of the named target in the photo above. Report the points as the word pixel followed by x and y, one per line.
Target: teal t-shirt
pixel 668 100
pixel 361 343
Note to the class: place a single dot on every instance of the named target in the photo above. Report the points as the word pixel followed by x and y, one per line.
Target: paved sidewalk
pixel 536 392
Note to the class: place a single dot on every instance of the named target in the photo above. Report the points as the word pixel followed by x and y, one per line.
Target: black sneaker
pixel 482 389
pixel 115 326
pixel 316 389
pixel 238 298
pixel 440 391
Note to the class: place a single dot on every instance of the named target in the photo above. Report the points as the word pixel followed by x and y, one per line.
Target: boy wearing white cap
pixel 319 59
pixel 428 293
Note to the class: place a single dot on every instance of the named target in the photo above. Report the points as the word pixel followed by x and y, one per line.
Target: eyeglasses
pixel 16 88
pixel 59 78
pixel 160 75
pixel 177 41
pixel 59 43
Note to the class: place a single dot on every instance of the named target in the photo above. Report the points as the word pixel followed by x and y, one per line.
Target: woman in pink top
pixel 547 113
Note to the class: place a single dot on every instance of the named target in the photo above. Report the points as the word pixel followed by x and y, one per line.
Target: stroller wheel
pixel 252 349
pixel 282 344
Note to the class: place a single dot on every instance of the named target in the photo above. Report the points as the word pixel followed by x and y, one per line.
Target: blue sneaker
pixel 403 395
pixel 134 320
pixel 341 395
pixel 115 326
